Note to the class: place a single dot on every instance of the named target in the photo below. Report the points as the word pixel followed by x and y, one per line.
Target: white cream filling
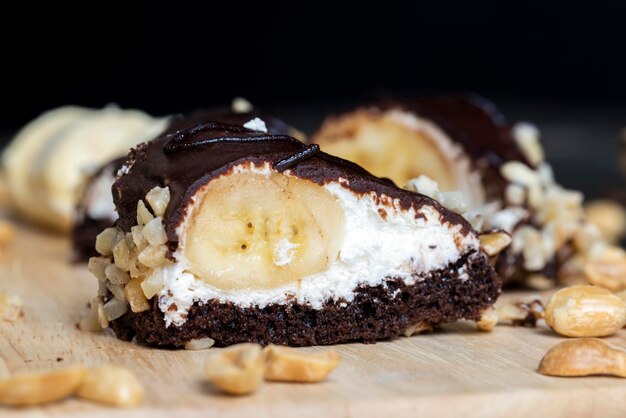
pixel 401 245
pixel 256 124
pixel 99 202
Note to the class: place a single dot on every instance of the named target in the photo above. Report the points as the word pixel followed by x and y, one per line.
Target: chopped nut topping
pixel 523 312
pixel 519 173
pixel 154 232
pixel 159 198
pixel 134 295
pixel 488 320
pixel 417 328
pixel 121 255
pixel 494 242
pixel 153 256
pixel 116 275
pixel 527 138
pixel 143 214
pixel 105 241
pixel 153 284
pixel 515 194
pixel 115 308
pixel 199 344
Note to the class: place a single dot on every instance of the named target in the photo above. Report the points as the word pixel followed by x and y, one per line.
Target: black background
pixel 167 58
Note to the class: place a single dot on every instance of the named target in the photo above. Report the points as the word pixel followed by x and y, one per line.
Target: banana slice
pixel 19 160
pixel 90 142
pixel 257 231
pixel 398 146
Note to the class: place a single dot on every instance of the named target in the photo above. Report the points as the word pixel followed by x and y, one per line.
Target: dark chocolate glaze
pixel 191 167
pixel 375 313
pixel 224 115
pixel 473 122
pixel 86 228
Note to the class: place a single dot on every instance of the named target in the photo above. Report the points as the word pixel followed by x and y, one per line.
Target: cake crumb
pixel 11 307
pixel 256 124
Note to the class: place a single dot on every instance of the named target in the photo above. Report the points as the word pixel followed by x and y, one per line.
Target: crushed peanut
pixel 584 357
pixel 286 364
pixel 199 344
pixel 522 312
pixel 158 198
pixel 7 233
pixel 488 320
pixel 115 308
pixel 494 242
pixel 135 296
pixel 11 307
pixel 237 370
pixel 105 241
pixel 143 214
pixel 154 232
pixel 153 256
pixel 127 271
pixel 585 311
pixel 527 138
pixel 417 328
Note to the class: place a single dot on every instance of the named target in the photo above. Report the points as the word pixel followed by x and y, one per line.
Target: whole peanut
pixel 584 357
pixel 585 311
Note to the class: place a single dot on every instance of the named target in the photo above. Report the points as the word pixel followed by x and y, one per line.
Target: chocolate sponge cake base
pixel 379 312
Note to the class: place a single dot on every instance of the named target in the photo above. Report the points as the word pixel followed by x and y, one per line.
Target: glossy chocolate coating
pixel 222 146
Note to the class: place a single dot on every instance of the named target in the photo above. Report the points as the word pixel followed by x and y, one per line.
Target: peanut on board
pixel 287 364
pixel 112 385
pixel 237 370
pixel 488 320
pixel 607 269
pixel 40 388
pixel 585 311
pixel 584 357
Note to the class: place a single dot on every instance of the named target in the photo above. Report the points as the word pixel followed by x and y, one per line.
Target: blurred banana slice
pixel 399 146
pixel 47 161
pixel 273 228
pixel 19 160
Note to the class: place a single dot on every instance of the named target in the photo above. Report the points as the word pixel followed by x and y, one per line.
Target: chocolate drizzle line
pixel 296 157
pixel 184 140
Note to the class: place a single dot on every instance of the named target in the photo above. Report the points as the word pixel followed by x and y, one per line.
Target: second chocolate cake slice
pixel 236 235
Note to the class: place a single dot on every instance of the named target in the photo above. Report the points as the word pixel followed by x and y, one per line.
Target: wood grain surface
pixel 452 372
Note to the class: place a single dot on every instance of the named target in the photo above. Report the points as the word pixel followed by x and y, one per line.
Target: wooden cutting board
pixel 452 372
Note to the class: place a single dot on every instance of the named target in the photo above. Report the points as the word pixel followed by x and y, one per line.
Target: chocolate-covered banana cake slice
pixel 234 234
pixel 95 210
pixel 465 144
